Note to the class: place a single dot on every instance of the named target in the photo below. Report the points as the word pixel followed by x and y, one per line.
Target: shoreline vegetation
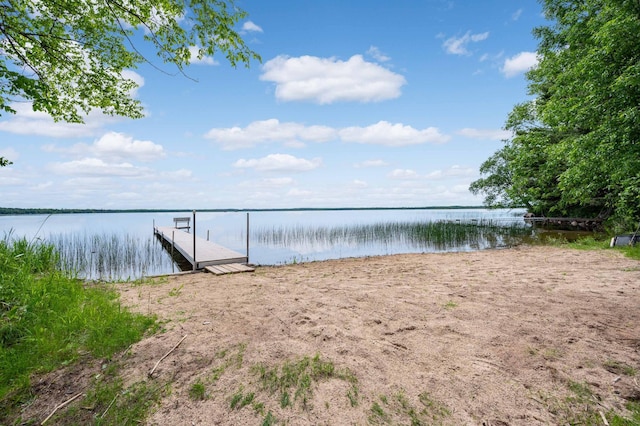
pixel 50 320
pixel 13 211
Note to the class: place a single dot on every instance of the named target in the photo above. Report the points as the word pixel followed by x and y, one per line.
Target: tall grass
pixel 110 257
pixel 49 319
pixel 426 236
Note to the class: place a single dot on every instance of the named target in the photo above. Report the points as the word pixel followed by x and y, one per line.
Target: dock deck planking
pixel 207 252
pixel 230 268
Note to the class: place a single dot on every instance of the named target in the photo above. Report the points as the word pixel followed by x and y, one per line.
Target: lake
pixel 96 244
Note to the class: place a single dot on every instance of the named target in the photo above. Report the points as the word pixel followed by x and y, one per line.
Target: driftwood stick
pixel 604 419
pixel 59 406
pixel 166 355
pixel 112 401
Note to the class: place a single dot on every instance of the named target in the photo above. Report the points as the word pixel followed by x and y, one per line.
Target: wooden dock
pixel 208 254
pixel 565 223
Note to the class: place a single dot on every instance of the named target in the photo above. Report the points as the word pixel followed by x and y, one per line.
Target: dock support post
pixel 195 263
pixel 207 235
pixel 247 237
pixel 173 243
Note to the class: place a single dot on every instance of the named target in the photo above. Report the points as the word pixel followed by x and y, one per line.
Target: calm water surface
pixel 275 237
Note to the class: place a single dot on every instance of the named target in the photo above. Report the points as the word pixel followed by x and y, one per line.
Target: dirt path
pixel 532 335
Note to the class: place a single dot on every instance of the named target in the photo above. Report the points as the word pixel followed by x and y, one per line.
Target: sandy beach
pixel 523 336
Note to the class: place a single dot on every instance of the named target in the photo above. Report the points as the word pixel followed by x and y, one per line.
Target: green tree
pixel 68 56
pixel 576 145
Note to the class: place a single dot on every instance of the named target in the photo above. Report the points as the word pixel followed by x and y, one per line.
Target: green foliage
pixel 293 381
pixel 71 56
pixel 111 403
pixel 269 419
pixel 429 413
pixel 575 150
pixel 48 320
pixel 596 243
pixel 198 391
pixel 619 368
pixel 378 415
pixel 617 420
pixel 581 407
pixel 240 400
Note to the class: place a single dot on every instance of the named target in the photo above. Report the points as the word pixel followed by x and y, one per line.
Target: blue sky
pixel 355 103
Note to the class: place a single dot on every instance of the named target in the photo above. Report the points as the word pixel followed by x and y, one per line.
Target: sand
pixel 523 336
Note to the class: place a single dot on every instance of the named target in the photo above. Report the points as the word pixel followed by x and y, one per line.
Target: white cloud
pixel 266 184
pixel 279 163
pixel 42 186
pixel 251 27
pixel 376 54
pixel 479 37
pixel 487 134
pixel 178 174
pixel 137 78
pixel 295 192
pixel 125 196
pixel 271 130
pixel 26 121
pixel 200 60
pixel 388 134
pixel 114 146
pixel 452 172
pixel 9 179
pixel 359 183
pixel 458 45
pixel 516 15
pixel 519 63
pixel 295 134
pixel 88 183
pixel 404 174
pixel 370 163
pixel 9 153
pixel 284 181
pixel 328 80
pixel 97 167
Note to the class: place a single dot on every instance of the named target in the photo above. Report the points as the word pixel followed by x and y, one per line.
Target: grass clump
pixel 49 320
pixel 198 391
pixel 112 404
pixel 293 381
pixel 398 408
pixel 378 415
pixel 620 368
pixel 290 384
pixel 634 409
pixel 240 399
pixel 580 407
pixel 450 304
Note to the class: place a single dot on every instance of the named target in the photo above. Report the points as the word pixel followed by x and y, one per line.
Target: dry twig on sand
pixel 166 355
pixel 59 406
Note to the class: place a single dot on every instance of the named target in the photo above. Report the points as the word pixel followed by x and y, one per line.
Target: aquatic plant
pixel 110 257
pixel 441 235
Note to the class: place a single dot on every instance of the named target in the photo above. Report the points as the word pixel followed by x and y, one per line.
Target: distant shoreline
pixel 10 211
